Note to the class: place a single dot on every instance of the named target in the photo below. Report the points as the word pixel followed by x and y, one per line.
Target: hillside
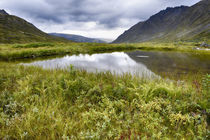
pixel 179 23
pixel 78 38
pixel 17 30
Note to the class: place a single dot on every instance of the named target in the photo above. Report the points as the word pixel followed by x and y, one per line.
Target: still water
pixel 142 63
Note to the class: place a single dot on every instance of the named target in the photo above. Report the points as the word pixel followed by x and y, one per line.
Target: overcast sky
pixel 91 18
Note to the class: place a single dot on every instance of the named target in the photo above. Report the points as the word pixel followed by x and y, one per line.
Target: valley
pixel 152 82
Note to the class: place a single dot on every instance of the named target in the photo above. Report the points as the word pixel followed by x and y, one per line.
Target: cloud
pixel 90 16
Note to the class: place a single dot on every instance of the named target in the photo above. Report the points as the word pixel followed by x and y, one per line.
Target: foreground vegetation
pixel 70 104
pixel 33 50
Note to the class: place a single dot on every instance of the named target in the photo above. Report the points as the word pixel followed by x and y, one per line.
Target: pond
pixel 143 63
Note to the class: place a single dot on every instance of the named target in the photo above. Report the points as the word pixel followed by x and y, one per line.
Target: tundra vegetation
pixel 33 50
pixel 74 104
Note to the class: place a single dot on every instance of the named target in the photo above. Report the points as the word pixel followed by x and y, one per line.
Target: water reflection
pixel 138 62
pixel 173 62
pixel 117 62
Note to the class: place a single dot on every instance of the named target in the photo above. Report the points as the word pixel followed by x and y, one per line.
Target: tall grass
pixel 71 104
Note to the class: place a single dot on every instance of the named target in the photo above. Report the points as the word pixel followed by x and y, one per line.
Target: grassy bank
pixel 70 104
pixel 33 50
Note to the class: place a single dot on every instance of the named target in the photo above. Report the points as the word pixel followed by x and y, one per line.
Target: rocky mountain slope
pixel 179 23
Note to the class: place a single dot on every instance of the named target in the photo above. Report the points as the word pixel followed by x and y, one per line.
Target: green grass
pixel 33 50
pixel 34 45
pixel 71 104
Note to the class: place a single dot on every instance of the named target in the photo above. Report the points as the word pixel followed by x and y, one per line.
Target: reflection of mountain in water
pixel 168 62
pixel 138 62
pixel 117 62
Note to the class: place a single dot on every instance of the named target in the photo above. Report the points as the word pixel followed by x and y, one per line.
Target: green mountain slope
pixel 179 23
pixel 16 30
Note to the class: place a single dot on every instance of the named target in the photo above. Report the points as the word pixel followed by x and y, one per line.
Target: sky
pixel 92 18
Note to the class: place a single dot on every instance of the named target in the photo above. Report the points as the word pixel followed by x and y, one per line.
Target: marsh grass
pixel 72 104
pixel 34 45
pixel 34 50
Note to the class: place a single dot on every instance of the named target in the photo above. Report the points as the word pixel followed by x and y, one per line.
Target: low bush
pixel 71 104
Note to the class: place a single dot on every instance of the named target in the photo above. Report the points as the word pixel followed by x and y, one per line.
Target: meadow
pixel 34 50
pixel 74 104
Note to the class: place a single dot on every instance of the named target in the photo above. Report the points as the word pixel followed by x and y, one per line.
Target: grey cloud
pixel 107 13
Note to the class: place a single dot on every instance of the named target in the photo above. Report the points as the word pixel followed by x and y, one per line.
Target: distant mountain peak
pixel 78 38
pixel 3 12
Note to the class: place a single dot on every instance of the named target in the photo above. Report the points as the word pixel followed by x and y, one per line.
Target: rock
pixel 205 45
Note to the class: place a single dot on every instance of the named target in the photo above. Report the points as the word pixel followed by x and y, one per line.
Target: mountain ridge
pixel 3 12
pixel 176 23
pixel 14 29
pixel 78 38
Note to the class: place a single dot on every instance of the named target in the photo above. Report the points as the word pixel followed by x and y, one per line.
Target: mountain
pixel 107 40
pixel 78 38
pixel 3 12
pixel 179 23
pixel 17 30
